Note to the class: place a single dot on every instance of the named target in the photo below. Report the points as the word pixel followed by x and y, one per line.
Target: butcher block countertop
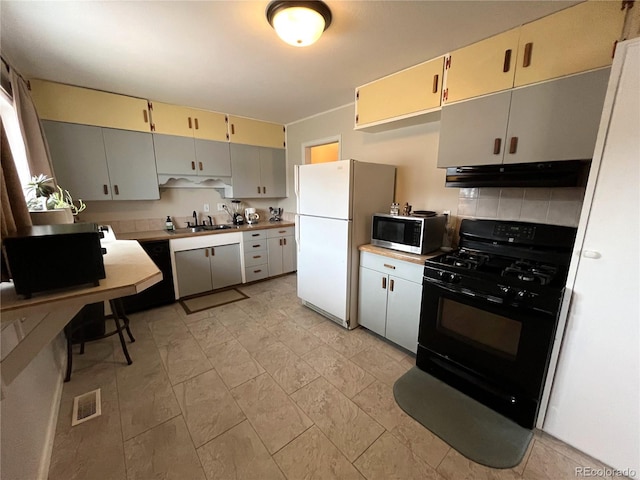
pixel 28 325
pixel 152 235
pixel 407 257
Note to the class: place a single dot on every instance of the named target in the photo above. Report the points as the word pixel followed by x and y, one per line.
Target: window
pixel 14 135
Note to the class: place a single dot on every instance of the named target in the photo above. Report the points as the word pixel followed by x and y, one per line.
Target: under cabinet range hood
pixel 569 173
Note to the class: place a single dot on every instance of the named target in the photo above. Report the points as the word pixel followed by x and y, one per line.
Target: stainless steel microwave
pixel 419 235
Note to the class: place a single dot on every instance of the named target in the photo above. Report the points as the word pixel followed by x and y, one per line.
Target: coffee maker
pixel 251 216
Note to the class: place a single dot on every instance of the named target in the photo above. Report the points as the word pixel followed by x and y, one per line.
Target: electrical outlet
pixel 206 208
pixel 221 207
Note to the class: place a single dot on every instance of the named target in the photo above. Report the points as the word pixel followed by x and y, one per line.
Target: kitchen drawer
pixel 280 232
pixel 255 246
pixel 398 268
pixel 253 235
pixel 257 272
pixel 254 258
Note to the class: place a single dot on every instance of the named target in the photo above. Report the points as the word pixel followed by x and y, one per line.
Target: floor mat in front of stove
pixel 474 430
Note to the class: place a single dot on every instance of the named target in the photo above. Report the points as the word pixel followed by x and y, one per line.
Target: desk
pixel 37 320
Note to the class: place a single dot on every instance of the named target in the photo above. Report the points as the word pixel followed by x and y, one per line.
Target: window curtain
pixel 38 156
pixel 14 212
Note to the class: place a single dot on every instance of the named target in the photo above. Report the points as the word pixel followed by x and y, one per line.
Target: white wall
pixel 413 150
pixel 28 413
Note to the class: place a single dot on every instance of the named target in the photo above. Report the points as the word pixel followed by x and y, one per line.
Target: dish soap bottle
pixel 169 224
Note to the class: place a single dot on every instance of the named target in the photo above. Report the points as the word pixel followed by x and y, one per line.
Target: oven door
pixel 497 353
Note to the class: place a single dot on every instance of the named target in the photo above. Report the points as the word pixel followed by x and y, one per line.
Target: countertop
pixel 407 257
pixel 152 235
pixel 28 325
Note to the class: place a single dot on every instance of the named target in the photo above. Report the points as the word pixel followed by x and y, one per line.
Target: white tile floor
pixel 258 389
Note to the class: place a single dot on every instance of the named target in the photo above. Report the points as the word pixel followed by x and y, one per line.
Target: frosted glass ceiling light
pixel 299 23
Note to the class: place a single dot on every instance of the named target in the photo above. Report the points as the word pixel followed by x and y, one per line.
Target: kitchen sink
pixel 217 227
pixel 201 228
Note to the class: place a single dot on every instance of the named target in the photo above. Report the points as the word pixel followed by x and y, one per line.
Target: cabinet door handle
pixel 391 285
pixel 233 129
pixel 196 121
pixel 190 123
pixel 264 189
pixel 497 143
pixel 513 145
pixel 507 61
pixel 200 165
pixel 258 189
pixel 390 266
pixel 435 83
pixel 384 283
pixel 206 252
pixel 145 115
pixel 105 189
pixel 528 48
pixel 213 252
pixel 193 165
pixel 284 240
pixel 280 242
pixel 116 190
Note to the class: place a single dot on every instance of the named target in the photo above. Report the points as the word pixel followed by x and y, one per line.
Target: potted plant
pixel 49 203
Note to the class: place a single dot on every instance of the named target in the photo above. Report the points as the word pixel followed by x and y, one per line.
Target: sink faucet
pixel 195 219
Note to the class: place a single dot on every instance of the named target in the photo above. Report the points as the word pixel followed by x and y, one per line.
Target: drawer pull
pixel 435 83
pixel 282 231
pixel 257 246
pixel 497 143
pixel 255 234
pixel 507 61
pixel 384 283
pixel 390 266
pixel 391 285
pixel 513 146
pixel 528 49
pixel 257 256
pixel 257 271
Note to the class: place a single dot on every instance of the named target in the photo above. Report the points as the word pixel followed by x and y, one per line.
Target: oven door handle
pixel 463 291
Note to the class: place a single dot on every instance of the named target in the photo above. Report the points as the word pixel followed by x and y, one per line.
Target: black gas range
pixel 490 309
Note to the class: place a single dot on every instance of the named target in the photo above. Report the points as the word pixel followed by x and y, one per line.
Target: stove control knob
pixel 453 278
pixel 524 294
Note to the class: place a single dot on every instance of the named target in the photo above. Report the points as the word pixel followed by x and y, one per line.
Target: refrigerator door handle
pixel 296 182
pixel 297 230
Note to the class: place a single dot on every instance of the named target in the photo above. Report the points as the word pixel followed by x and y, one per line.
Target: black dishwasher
pixel 161 293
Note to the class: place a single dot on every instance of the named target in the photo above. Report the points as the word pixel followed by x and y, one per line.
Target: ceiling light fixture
pixel 299 23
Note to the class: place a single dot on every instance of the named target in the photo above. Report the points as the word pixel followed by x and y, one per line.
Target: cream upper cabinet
pixel 574 40
pixel 65 103
pixel 255 132
pixel 188 122
pixel 484 67
pixel 406 93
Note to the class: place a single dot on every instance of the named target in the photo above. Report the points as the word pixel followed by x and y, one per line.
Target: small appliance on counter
pixel 236 212
pixel 48 257
pixel 420 233
pixel 251 216
pixel 276 214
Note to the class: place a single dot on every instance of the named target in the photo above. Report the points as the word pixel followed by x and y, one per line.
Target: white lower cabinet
pixel 203 269
pixel 281 248
pixel 256 260
pixel 390 295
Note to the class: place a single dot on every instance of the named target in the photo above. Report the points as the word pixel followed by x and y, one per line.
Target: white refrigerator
pixel 335 203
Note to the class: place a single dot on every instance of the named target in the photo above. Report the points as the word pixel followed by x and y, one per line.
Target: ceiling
pixel 224 56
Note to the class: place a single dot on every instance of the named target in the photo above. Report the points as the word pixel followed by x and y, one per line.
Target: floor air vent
pixel 86 407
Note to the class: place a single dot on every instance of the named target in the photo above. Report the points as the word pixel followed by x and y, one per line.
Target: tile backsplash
pixel 557 206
